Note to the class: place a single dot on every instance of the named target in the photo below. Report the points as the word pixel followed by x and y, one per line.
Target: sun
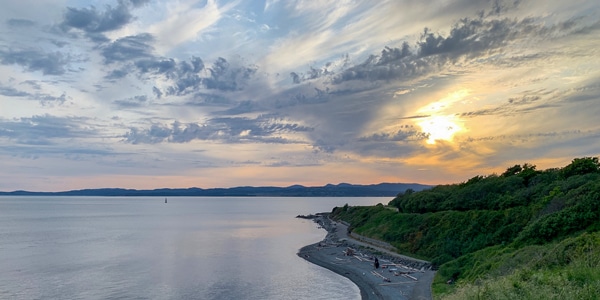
pixel 440 123
pixel 439 128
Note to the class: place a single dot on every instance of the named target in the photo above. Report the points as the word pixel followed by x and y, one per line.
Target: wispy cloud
pixel 184 23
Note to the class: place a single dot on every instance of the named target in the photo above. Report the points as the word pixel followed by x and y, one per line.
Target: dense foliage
pixel 475 228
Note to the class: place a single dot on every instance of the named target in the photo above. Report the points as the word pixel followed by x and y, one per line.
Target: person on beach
pixel 376 263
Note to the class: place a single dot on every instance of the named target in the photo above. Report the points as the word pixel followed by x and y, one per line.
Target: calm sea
pixel 142 248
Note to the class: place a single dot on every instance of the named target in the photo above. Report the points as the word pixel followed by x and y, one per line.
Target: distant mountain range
pixel 329 190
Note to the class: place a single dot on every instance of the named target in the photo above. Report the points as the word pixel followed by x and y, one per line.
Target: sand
pixel 398 276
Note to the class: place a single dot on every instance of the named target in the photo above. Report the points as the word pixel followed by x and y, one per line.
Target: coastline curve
pixel 399 277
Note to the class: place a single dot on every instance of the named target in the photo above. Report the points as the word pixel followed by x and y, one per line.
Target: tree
pixel 527 173
pixel 581 166
pixel 514 170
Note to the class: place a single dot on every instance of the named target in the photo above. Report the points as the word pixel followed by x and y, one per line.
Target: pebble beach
pixel 396 276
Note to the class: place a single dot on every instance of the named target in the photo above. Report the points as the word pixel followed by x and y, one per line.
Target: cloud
pixel 330 83
pixel 44 99
pixel 311 74
pixel 392 63
pixel 43 129
pixel 163 66
pixel 20 23
pixel 522 103
pixel 129 48
pixel 93 21
pixel 117 74
pixel 295 77
pixel 139 3
pixel 37 150
pixel 49 63
pixel 184 23
pixel 475 37
pixel 227 78
pixel 588 91
pixel 409 134
pixel 262 129
pixel 184 77
pixel 12 92
pixel 133 102
pixel 209 99
pixel 90 20
pixel 244 107
pixel 470 38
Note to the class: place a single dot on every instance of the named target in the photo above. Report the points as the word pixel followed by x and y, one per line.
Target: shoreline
pixel 398 277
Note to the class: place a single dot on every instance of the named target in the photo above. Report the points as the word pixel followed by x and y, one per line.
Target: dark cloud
pixel 136 101
pixel 138 3
pixel 305 94
pixel 155 134
pixel 51 63
pixel 33 84
pixel 415 117
pixel 12 92
pixel 129 48
pixel 518 104
pixel 116 74
pixel 391 63
pixel 402 135
pixel 243 108
pixel 312 73
pixel 525 99
pixel 20 23
pixel 473 36
pixel 485 112
pixel 386 148
pixel 159 133
pixel 193 76
pixel 185 76
pixel 44 148
pixel 324 146
pixel 44 99
pixel 58 43
pixel 400 143
pixel 41 129
pixel 588 92
pixel 184 85
pixel 469 38
pixel 162 66
pixel 295 77
pixel 207 99
pixel 527 137
pixel 97 38
pixel 156 91
pixel 224 77
pixel 93 21
pixel 499 6
pixel 263 129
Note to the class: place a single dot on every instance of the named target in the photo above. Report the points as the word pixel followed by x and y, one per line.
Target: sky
pixel 151 94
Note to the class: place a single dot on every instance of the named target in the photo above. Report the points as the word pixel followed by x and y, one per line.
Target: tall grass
pixel 567 270
pixel 572 282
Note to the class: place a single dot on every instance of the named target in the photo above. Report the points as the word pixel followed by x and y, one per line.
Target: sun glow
pixel 441 123
pixel 439 128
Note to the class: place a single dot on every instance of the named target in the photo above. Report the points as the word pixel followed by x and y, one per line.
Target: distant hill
pixel 329 190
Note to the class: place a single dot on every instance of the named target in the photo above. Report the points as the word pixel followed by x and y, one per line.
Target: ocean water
pixel 142 248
